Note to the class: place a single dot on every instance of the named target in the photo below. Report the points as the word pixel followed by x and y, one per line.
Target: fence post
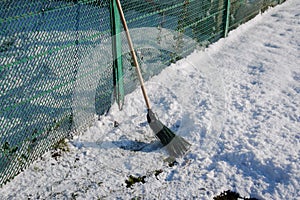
pixel 227 18
pixel 117 53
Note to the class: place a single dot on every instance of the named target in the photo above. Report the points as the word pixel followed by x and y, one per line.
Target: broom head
pixel 175 145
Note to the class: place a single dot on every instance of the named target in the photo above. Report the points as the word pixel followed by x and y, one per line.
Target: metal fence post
pixel 117 53
pixel 227 18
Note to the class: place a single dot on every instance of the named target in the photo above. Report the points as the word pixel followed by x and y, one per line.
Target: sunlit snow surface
pixel 237 103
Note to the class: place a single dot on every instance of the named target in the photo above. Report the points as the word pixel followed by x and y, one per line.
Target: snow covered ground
pixel 237 102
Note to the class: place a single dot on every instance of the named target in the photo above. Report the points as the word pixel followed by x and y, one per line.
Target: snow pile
pixel 238 103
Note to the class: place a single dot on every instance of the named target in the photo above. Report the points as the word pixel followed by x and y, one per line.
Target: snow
pixel 238 104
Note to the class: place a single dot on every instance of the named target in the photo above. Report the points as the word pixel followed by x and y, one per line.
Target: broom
pixel 175 145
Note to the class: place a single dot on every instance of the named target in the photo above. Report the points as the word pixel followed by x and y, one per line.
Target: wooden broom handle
pixel 134 57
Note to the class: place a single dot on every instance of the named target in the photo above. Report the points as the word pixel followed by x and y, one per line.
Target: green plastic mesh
pixel 56 69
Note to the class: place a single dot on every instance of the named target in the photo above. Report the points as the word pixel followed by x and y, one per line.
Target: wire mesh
pixel 243 10
pixel 56 61
pixel 43 46
pixel 201 21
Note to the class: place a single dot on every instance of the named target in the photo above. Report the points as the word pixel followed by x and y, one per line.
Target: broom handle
pixel 134 57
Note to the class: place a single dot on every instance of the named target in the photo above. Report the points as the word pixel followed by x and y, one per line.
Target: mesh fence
pixel 57 66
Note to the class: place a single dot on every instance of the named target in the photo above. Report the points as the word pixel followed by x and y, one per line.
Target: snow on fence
pixel 59 65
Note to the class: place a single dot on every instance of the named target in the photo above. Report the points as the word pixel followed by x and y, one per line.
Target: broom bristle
pixel 175 145
pixel 178 147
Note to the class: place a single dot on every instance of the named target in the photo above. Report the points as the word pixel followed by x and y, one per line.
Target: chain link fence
pixel 57 70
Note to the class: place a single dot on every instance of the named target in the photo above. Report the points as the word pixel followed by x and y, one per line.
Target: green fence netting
pixel 58 63
pixel 44 67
